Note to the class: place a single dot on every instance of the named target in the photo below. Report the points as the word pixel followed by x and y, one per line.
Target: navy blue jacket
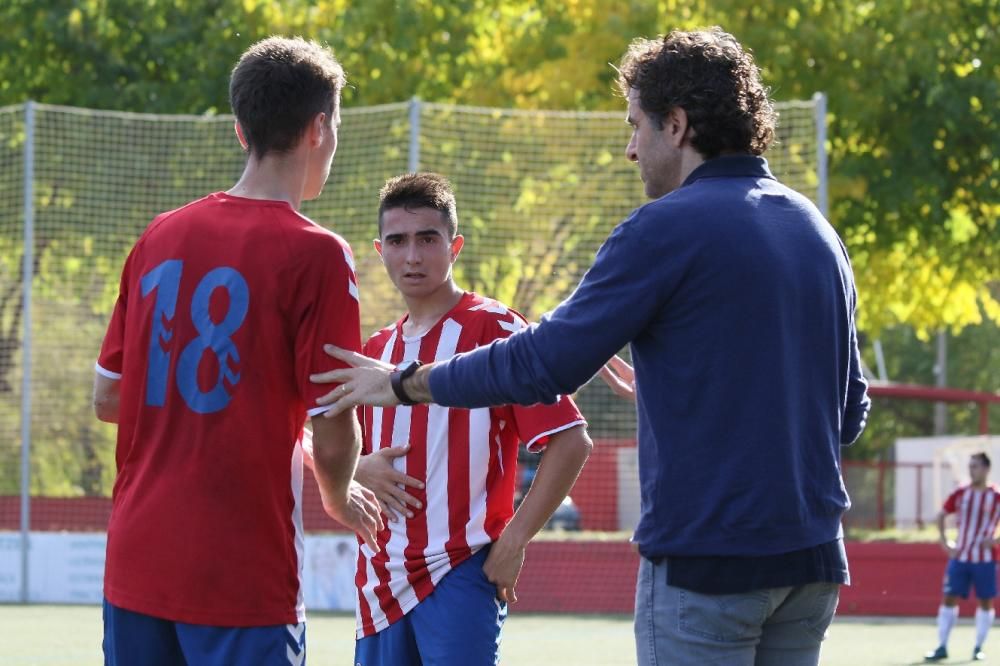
pixel 738 300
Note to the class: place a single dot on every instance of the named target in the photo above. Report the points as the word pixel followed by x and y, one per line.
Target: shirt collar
pixel 730 166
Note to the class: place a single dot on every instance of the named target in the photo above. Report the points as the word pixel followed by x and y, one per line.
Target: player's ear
pixel 239 135
pixel 318 129
pixel 457 243
pixel 676 126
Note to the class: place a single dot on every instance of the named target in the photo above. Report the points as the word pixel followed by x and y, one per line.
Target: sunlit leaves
pixel 913 90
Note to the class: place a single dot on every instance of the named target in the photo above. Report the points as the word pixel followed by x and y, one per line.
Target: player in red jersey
pixel 223 310
pixel 972 559
pixel 437 590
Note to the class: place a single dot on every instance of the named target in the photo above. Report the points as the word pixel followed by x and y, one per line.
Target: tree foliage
pixel 913 89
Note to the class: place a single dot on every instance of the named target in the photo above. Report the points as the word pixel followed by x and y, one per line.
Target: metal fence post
pixel 413 160
pixel 920 496
pixel 822 201
pixel 28 269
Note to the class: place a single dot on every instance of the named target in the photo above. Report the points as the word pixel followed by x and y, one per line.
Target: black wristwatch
pixel 396 378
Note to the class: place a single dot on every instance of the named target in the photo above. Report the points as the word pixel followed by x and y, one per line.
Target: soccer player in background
pixel 972 559
pixel 223 310
pixel 436 591
pixel 737 300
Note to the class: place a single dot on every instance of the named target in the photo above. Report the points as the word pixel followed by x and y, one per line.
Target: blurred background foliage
pixel 914 148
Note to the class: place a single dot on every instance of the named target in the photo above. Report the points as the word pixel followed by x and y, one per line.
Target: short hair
pixel 420 190
pixel 278 86
pixel 983 458
pixel 709 75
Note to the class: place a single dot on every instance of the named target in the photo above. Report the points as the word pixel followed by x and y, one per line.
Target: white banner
pixel 68 567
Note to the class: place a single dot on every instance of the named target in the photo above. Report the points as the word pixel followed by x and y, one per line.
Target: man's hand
pixel 620 377
pixel 375 471
pixel 366 382
pixel 503 567
pixel 949 547
pixel 359 513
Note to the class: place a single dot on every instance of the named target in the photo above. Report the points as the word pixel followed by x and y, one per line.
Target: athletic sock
pixel 984 620
pixel 946 620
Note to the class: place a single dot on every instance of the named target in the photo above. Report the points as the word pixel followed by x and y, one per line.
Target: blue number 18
pixel 165 279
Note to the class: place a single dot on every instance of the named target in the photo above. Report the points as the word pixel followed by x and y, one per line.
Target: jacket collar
pixel 730 166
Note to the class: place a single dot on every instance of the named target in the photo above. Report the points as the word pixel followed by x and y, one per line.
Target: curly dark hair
pixel 420 190
pixel 709 75
pixel 278 86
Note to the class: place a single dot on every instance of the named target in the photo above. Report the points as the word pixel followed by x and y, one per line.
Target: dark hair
pixel 278 86
pixel 709 75
pixel 420 190
pixel 983 458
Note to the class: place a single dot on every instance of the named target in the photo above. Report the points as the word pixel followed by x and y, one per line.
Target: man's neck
pixel 275 178
pixel 426 311
pixel 691 159
pixel 979 486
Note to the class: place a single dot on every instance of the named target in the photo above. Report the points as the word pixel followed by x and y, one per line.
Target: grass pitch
pixel 71 636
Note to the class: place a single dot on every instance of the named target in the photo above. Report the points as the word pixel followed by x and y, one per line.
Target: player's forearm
pixel 106 398
pixel 940 525
pixel 336 447
pixel 559 468
pixel 621 293
pixel 418 385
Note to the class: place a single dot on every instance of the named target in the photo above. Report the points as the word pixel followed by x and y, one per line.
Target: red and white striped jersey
pixel 467 460
pixel 977 512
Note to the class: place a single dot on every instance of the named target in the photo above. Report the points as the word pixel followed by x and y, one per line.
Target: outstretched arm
pixel 621 293
pixel 561 463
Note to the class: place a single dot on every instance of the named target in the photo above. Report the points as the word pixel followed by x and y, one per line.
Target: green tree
pixel 913 87
pixel 915 149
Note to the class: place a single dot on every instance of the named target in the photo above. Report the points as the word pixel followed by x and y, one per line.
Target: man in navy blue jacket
pixel 738 301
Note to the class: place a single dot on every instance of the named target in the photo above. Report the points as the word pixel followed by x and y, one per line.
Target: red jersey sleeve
pixel 326 304
pixel 536 424
pixel 951 504
pixel 109 361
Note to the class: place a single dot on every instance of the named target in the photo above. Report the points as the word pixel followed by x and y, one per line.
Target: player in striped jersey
pixel 972 559
pixel 437 591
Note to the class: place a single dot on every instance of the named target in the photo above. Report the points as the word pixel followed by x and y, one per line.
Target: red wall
pixel 889 578
pixel 578 577
pixel 596 491
pixel 598 576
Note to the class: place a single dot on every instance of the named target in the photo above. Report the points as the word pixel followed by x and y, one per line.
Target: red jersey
pixel 223 310
pixel 467 460
pixel 977 513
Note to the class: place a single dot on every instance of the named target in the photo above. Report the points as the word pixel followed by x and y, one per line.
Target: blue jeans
pixel 781 626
